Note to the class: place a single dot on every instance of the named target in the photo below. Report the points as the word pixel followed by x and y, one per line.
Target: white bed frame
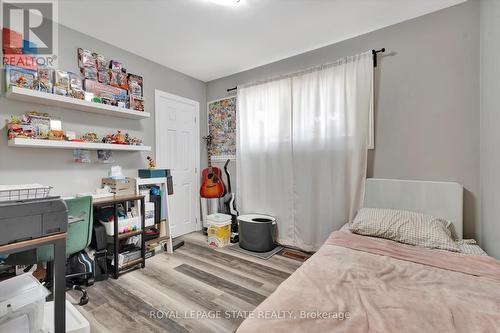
pixel 440 199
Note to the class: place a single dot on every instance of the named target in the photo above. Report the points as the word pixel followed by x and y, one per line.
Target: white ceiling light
pixel 226 2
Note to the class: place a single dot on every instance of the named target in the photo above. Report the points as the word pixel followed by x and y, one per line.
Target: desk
pixel 114 201
pixel 59 242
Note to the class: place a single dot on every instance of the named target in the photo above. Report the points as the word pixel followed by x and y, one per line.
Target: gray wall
pixel 490 120
pixel 427 98
pixel 55 167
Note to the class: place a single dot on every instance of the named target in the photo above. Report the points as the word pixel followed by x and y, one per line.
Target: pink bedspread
pixel 362 284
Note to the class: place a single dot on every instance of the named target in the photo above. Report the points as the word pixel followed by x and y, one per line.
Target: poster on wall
pixel 222 128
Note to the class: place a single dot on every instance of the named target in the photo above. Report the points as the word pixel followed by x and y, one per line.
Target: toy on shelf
pixel 86 59
pixel 122 139
pixel 61 83
pixel 17 128
pixel 19 77
pixel 115 66
pixel 101 61
pixel 100 80
pixel 103 76
pixel 151 163
pixel 136 103
pixel 40 123
pixel 57 135
pixel 89 73
pixel 135 85
pixel 76 86
pixel 70 136
pixel 34 125
pixel 108 94
pixel 44 80
pixel 117 138
pixel 134 141
pixel 90 137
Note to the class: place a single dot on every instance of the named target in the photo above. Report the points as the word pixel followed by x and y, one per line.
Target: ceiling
pixel 207 40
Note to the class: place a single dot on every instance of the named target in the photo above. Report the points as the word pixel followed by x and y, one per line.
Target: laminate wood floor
pixel 195 289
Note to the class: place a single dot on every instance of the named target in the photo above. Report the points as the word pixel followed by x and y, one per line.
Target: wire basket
pixel 23 192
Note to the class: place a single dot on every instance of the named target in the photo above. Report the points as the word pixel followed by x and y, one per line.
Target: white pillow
pixel 405 227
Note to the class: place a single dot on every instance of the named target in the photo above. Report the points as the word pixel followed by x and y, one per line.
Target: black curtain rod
pixel 374 54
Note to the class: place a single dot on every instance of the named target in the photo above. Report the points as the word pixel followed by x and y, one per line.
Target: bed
pixel 357 283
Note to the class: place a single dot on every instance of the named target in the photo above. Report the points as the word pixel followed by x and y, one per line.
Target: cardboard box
pixel 120 186
pixel 105 91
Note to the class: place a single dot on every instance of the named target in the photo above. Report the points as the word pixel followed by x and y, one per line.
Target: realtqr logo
pixel 29 32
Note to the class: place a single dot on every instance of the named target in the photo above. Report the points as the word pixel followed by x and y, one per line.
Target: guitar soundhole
pixel 210 176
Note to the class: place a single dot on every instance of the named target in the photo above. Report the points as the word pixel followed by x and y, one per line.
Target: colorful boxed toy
pixel 61 83
pixel 135 87
pixel 44 80
pixel 86 59
pixel 76 86
pixel 103 76
pixel 19 77
pixel 89 73
pixel 118 79
pixel 115 66
pixel 136 103
pixel 101 62
pixel 107 94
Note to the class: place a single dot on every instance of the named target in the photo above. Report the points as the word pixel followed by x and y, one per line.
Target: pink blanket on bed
pixel 361 284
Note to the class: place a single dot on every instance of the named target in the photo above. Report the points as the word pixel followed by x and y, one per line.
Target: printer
pixel 33 218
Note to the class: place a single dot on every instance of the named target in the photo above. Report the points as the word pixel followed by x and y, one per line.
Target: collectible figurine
pixel 151 163
pixel 56 135
pixel 120 138
pixel 90 137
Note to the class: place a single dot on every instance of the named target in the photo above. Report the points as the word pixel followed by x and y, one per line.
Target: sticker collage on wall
pixel 222 128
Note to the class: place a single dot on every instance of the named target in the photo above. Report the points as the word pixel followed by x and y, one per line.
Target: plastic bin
pixel 219 230
pixel 75 321
pixel 122 224
pixel 22 300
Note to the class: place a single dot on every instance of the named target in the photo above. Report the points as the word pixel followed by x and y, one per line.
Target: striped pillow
pixel 405 227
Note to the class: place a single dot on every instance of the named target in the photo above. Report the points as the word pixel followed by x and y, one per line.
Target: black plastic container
pixel 257 234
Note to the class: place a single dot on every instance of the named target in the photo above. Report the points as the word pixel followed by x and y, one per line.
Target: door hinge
pixel 195 120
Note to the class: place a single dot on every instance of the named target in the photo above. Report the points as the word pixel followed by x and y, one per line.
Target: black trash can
pixel 257 232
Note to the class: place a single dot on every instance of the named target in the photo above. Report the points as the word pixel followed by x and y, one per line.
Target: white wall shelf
pixel 38 97
pixel 36 143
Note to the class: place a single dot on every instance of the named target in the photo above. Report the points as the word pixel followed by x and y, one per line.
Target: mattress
pixel 363 284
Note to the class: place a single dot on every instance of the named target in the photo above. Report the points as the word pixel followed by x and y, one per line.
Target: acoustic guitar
pixel 212 185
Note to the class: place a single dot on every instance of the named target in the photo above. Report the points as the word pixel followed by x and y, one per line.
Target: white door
pixel 178 149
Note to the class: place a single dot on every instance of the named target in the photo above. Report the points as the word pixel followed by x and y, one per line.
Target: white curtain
pixel 302 148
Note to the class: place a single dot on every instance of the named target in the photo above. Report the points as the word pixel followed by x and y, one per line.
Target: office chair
pixel 78 237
